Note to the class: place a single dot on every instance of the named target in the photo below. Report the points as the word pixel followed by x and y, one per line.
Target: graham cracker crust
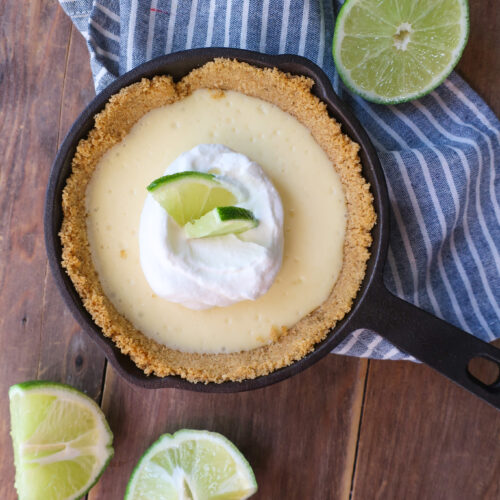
pixel 290 93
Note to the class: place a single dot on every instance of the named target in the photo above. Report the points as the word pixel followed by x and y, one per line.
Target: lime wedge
pixel 220 221
pixel 190 464
pixel 187 196
pixel 391 51
pixel 62 442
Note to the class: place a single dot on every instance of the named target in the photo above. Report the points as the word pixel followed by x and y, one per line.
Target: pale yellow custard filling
pixel 314 226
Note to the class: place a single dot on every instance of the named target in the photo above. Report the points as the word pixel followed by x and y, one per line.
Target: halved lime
pixel 192 465
pixel 187 196
pixel 391 51
pixel 62 442
pixel 220 221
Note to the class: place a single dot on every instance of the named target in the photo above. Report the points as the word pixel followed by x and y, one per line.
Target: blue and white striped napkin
pixel 438 153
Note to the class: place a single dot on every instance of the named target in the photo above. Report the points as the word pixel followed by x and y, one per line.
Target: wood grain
pixel 31 75
pixel 480 63
pixel 298 435
pixel 423 437
pixel 38 336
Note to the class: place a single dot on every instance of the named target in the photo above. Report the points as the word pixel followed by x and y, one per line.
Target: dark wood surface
pixel 345 428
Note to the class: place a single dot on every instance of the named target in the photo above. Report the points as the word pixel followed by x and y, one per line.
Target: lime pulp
pixel 391 51
pixel 192 464
pixel 187 196
pixel 62 442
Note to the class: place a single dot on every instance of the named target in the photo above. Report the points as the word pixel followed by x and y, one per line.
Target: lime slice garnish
pixel 192 464
pixel 62 442
pixel 391 51
pixel 187 196
pixel 220 221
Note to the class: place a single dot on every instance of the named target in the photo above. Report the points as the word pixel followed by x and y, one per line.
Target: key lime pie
pixel 216 227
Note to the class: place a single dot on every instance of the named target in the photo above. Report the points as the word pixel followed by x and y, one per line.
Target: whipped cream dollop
pixel 220 270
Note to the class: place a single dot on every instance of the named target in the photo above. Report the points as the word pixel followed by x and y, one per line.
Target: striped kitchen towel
pixel 438 153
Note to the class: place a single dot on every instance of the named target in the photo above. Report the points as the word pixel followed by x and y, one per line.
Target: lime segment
pixel 187 196
pixel 391 51
pixel 192 464
pixel 62 442
pixel 220 221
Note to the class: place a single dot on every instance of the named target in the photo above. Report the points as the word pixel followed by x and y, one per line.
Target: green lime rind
pixel 37 384
pixel 166 179
pixel 378 99
pixel 235 213
pixel 221 221
pixel 170 445
pixel 56 389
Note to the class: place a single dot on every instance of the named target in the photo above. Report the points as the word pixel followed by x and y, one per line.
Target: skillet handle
pixel 431 340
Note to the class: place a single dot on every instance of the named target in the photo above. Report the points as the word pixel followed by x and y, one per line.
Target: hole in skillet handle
pixel 485 371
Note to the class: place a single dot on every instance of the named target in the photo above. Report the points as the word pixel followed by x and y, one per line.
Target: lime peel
pixel 394 51
pixel 192 464
pixel 221 221
pixel 187 196
pixel 62 442
pixel 166 179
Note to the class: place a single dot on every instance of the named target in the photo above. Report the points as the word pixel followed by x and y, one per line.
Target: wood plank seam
pixel 43 311
pixel 45 280
pixel 66 63
pixel 353 475
pixel 103 383
pixel 352 444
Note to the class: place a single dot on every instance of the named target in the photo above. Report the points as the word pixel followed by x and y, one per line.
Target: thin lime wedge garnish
pixel 220 221
pixel 191 464
pixel 62 442
pixel 391 51
pixel 187 196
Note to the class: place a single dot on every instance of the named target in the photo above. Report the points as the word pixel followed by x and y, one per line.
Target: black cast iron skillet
pixel 431 340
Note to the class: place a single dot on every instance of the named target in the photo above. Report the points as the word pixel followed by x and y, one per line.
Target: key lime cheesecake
pixel 238 291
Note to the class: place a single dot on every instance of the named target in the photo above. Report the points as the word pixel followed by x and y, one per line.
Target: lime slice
pixel 62 442
pixel 187 196
pixel 220 221
pixel 197 465
pixel 391 51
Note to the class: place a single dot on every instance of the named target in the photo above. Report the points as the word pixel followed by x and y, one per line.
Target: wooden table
pixel 345 428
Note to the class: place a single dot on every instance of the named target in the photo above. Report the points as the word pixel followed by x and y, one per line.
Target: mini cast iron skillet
pixel 431 340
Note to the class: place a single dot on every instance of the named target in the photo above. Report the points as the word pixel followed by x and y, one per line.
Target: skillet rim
pixel 181 63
